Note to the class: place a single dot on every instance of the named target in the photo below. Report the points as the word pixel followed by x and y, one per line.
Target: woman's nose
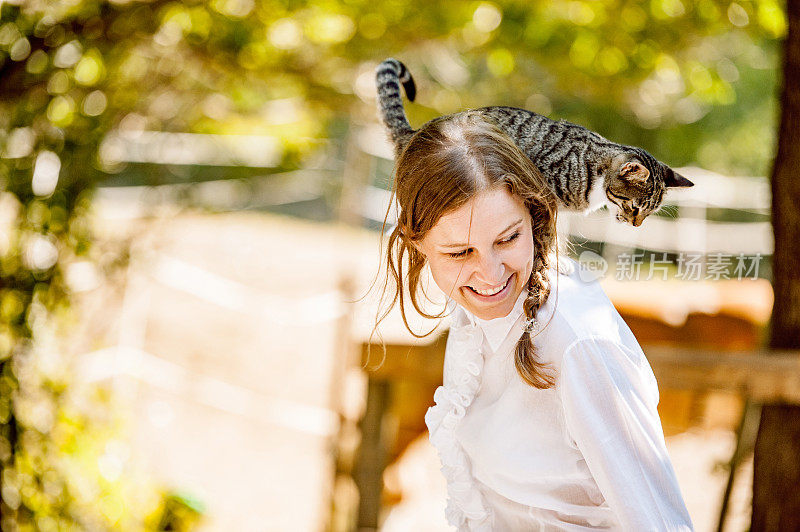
pixel 490 268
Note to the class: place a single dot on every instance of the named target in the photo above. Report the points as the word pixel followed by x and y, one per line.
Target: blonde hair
pixel 448 161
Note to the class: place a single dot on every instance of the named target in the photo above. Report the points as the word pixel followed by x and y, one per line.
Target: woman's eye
pixel 460 254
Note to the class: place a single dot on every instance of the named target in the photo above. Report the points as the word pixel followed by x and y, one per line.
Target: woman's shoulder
pixel 578 309
pixel 577 296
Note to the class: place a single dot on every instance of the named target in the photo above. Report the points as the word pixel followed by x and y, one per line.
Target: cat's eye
pixel 622 199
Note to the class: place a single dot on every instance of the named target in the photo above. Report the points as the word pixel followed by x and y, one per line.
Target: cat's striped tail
pixel 389 75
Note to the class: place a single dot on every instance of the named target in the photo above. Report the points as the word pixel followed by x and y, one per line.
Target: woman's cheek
pixel 448 275
pixel 456 274
pixel 524 259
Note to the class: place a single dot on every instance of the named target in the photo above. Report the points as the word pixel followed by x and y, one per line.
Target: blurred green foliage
pixel 693 82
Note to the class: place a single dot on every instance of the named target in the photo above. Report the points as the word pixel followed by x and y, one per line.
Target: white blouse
pixel 588 453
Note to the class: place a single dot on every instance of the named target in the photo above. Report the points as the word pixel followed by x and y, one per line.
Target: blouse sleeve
pixel 610 396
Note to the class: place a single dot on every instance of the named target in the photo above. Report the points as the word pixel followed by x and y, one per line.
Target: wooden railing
pixel 762 376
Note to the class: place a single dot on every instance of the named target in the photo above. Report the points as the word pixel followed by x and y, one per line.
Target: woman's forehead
pixel 488 213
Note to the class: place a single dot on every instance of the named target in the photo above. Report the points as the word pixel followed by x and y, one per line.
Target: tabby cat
pixel 585 170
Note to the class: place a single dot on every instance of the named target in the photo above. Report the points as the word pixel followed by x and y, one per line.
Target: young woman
pixel 547 418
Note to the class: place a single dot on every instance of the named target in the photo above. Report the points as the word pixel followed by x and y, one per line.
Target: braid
pixel 531 370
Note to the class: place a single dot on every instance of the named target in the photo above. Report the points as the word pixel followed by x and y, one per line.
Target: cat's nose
pixel 637 221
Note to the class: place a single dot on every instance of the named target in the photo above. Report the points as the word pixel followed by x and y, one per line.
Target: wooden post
pixel 370 458
pixel 371 461
pixel 745 440
pixel 776 461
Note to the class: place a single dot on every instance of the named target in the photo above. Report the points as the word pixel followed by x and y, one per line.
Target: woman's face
pixel 486 245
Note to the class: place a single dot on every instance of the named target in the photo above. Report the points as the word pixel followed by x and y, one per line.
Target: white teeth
pixel 491 292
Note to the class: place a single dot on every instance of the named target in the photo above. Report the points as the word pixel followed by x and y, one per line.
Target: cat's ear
pixel 675 180
pixel 633 171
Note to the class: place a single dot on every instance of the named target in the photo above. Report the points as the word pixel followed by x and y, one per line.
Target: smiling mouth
pixel 494 291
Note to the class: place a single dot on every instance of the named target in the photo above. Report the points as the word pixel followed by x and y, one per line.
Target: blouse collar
pixel 495 330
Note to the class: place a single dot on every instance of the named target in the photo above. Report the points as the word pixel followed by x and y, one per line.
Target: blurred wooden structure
pixel 761 375
pixel 231 397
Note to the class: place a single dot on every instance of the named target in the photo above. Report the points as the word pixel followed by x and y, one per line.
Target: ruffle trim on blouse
pixel 465 506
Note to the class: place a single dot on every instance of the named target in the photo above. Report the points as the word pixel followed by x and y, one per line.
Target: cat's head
pixel 637 182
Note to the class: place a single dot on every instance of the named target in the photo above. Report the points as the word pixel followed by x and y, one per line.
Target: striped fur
pixel 389 75
pixel 575 161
